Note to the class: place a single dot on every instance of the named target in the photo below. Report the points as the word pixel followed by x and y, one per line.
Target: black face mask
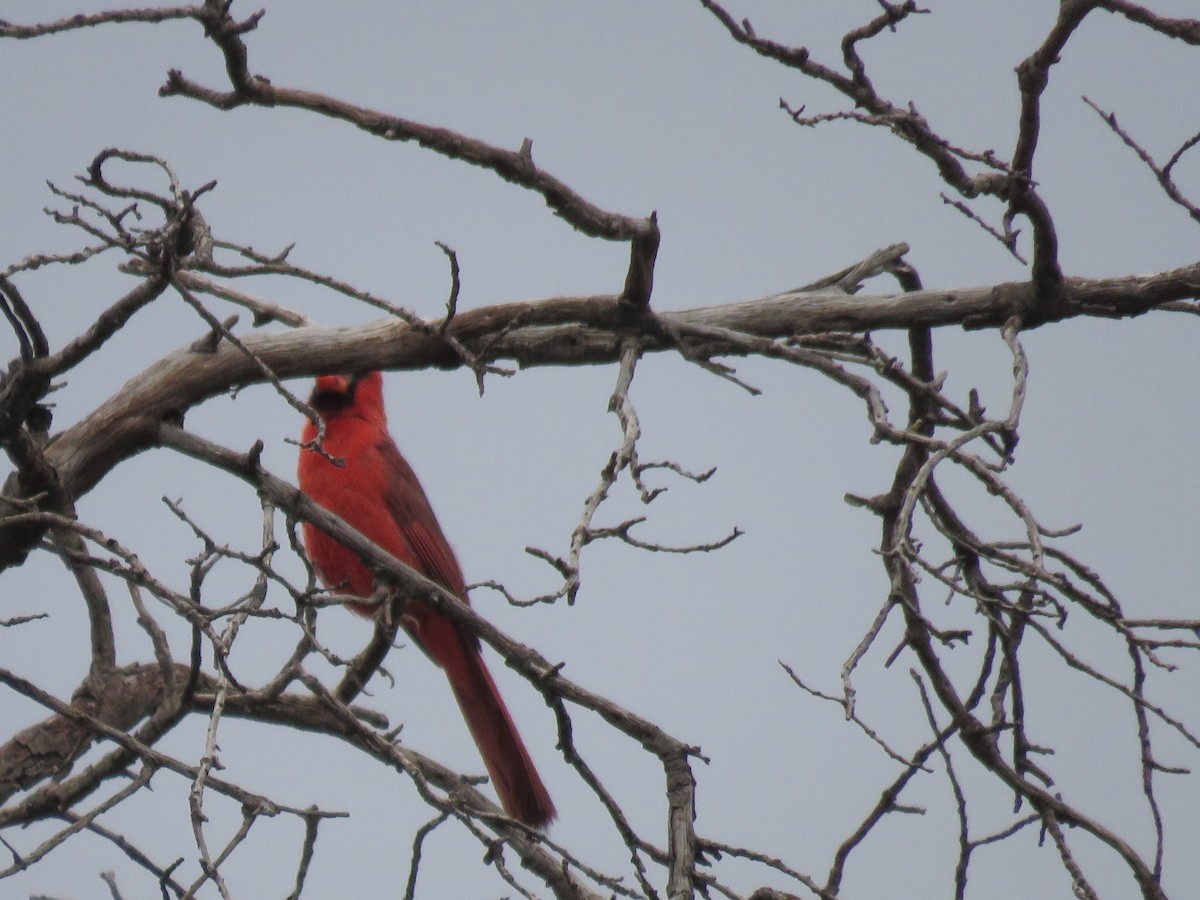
pixel 332 401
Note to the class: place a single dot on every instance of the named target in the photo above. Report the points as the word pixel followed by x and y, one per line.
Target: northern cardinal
pixel 377 493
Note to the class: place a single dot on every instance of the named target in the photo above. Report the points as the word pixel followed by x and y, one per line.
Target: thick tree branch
pixel 572 331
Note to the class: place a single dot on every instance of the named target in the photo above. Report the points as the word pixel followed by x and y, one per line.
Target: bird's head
pixel 360 395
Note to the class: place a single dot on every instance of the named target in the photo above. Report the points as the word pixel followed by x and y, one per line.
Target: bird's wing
pixel 410 508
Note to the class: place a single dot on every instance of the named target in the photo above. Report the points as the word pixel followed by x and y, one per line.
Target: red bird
pixel 377 493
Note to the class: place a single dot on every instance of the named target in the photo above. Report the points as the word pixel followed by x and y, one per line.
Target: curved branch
pixel 569 330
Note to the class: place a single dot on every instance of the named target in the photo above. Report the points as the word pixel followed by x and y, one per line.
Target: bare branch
pixel 1162 173
pixel 9 30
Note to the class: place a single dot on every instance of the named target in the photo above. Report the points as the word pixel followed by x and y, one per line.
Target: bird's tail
pixel 521 791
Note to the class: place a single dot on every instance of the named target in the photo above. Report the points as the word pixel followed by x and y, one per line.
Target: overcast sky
pixel 639 107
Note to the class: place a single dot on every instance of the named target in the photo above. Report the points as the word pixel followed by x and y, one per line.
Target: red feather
pixel 378 494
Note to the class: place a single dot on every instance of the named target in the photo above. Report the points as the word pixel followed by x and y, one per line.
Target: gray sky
pixel 640 107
